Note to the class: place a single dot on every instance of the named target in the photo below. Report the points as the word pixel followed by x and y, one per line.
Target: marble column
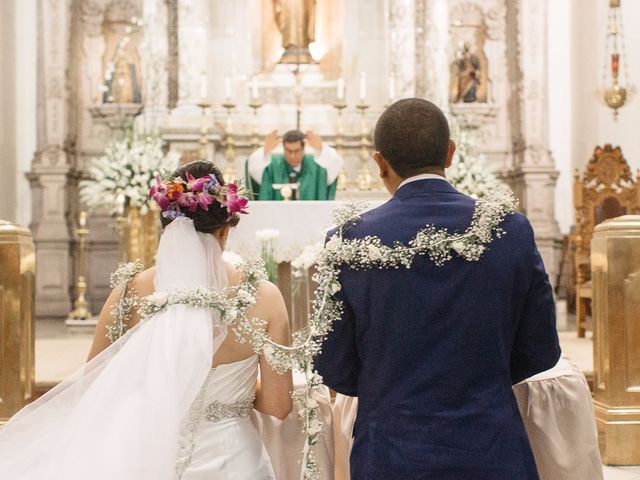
pixel 155 53
pixel 193 17
pixel 432 63
pixel 534 174
pixel 52 171
pixel 402 46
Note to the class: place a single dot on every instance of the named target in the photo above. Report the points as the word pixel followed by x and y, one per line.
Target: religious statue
pixel 122 83
pixel 296 20
pixel 466 71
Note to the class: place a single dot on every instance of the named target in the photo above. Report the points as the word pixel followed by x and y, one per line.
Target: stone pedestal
pixel 615 266
pixel 17 318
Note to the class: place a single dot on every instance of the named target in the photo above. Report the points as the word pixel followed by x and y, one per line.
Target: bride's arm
pixel 141 286
pixel 273 394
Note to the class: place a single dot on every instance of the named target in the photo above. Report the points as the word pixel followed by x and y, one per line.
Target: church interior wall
pixel 363 31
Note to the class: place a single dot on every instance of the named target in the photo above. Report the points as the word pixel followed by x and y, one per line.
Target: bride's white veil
pixel 119 416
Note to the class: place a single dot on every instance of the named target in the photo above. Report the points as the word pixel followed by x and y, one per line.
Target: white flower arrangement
pixel 469 171
pixel 268 238
pixel 122 176
pixel 267 235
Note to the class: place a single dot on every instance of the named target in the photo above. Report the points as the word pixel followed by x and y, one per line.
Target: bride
pixel 166 393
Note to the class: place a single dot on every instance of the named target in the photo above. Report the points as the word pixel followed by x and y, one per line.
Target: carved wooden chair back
pixel 606 190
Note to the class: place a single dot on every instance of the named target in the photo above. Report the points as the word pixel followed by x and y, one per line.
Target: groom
pixel 432 351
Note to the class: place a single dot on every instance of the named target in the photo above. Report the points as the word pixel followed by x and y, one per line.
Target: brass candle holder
pixel 364 180
pixel 80 306
pixel 229 173
pixel 203 153
pixel 343 179
pixel 255 136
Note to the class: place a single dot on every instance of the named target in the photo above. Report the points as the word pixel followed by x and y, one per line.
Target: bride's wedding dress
pixel 150 406
pixel 218 440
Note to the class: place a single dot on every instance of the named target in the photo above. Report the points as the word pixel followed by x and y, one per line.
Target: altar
pixel 296 225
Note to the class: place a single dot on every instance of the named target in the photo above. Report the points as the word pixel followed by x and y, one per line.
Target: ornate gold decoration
pixel 343 180
pixel 229 173
pixel 615 95
pixel 616 313
pixel 143 235
pixel 204 131
pixel 606 190
pixel 80 306
pixel 17 318
pixel 364 179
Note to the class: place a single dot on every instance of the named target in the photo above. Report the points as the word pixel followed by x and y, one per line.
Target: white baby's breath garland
pixel 232 303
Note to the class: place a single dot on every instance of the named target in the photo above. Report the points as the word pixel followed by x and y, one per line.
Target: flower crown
pixel 174 194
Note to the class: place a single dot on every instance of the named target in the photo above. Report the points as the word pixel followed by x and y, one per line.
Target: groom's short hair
pixel 413 136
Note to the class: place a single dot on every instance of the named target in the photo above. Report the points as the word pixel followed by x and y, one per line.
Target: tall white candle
pixel 254 89
pixel 340 89
pixel 392 87
pixel 227 88
pixel 363 86
pixel 203 86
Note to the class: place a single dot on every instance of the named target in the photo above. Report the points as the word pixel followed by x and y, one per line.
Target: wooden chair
pixel 607 190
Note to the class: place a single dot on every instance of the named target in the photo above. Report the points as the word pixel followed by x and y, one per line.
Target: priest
pixel 301 159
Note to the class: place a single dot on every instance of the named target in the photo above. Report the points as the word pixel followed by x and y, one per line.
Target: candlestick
pixel 340 88
pixel 227 88
pixel 363 87
pixel 80 310
pixel 343 179
pixel 203 153
pixel 203 86
pixel 364 173
pixel 254 89
pixel 255 137
pixel 229 174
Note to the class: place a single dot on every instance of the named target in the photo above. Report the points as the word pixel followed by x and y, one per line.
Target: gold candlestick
pixel 229 174
pixel 255 138
pixel 203 153
pixel 80 310
pixel 343 180
pixel 364 173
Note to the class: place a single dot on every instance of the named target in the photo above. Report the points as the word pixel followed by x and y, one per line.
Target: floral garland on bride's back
pixel 232 304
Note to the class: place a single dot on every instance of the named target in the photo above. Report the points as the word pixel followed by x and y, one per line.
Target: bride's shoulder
pixel 143 282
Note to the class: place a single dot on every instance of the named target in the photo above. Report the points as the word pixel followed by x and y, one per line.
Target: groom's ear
pixel 382 163
pixel 452 150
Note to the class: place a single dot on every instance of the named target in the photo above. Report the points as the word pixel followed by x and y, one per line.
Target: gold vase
pixel 143 234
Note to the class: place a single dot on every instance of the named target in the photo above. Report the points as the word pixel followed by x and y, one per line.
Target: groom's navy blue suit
pixel 432 352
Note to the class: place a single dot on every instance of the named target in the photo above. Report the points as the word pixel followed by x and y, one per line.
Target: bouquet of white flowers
pixel 122 177
pixel 469 171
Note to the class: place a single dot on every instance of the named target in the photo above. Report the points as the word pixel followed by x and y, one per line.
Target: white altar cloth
pixel 300 224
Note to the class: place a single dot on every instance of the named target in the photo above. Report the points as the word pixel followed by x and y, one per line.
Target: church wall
pixel 578 121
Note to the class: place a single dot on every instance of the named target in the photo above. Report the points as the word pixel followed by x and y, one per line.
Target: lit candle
pixel 340 88
pixel 227 87
pixel 363 86
pixel 392 88
pixel 254 89
pixel 83 219
pixel 203 86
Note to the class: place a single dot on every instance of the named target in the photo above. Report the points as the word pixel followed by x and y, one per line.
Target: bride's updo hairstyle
pixel 217 216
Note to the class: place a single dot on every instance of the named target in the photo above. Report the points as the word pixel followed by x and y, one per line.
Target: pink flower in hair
pixel 233 202
pixel 159 193
pixel 198 184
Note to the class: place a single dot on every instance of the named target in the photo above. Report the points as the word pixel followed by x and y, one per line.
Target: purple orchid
pixel 159 194
pixel 233 201
pixel 198 184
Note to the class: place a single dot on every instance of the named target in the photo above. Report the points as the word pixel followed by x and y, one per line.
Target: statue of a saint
pixel 122 84
pixel 467 73
pixel 296 20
